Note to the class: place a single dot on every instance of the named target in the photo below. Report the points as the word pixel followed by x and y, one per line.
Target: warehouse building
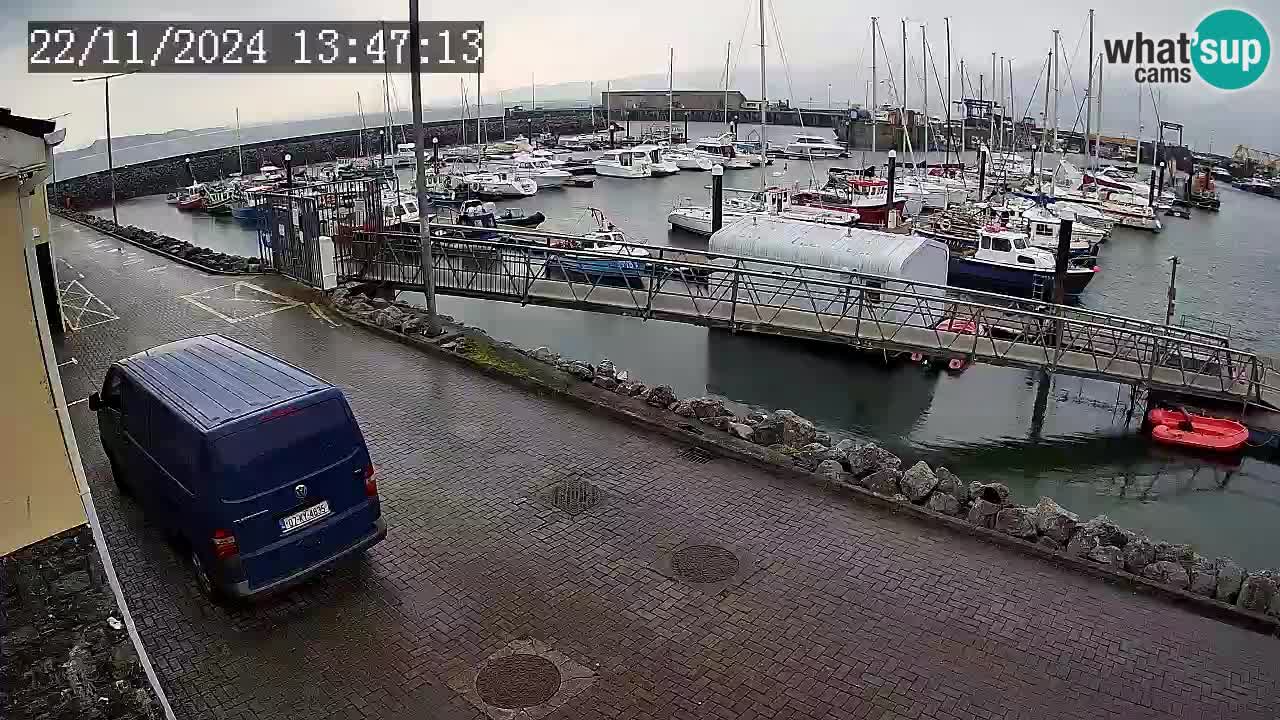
pixel 680 99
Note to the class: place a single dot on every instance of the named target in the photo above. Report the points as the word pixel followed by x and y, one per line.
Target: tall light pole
pixel 111 168
pixel 1173 290
pixel 419 148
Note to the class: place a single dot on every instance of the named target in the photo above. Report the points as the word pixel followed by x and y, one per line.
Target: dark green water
pixel 1069 438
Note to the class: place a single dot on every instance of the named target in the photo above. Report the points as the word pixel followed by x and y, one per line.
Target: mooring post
pixel 288 171
pixel 1161 186
pixel 1151 192
pixel 717 197
pixel 888 196
pixel 1061 262
pixel 982 173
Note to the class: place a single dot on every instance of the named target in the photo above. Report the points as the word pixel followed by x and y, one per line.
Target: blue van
pixel 256 467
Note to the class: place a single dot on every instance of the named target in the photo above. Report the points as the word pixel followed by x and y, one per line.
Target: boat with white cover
pixel 625 163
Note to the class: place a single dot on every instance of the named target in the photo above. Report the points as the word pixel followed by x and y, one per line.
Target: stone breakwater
pixel 199 256
pixel 171 173
pixel 873 468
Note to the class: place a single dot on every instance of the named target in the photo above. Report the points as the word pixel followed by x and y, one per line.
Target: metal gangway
pixel 864 311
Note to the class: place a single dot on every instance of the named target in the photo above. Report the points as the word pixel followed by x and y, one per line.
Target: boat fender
pixel 944 224
pixel 955 364
pixel 917 357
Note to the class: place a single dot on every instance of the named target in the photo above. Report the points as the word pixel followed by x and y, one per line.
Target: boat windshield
pixel 1020 243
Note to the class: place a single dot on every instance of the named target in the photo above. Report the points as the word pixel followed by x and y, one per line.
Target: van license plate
pixel 289 523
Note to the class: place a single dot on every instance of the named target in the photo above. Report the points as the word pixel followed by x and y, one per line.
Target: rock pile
pixel 879 471
pixel 201 256
pixel 398 315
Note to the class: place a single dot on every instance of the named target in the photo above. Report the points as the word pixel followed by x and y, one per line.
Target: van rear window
pixel 285 446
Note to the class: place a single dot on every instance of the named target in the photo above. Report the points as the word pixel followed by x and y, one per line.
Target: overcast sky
pixel 561 41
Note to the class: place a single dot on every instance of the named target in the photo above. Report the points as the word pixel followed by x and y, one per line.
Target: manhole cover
pixel 574 496
pixel 704 563
pixel 518 681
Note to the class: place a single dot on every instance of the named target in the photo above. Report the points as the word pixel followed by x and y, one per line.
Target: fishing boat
pixel 499 183
pixel 218 199
pixel 628 163
pixel 809 147
pixel 1199 432
pixel 627 265
pixel 540 170
pixel 1004 261
pixel 173 198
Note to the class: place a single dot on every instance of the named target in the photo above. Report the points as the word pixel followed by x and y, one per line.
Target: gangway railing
pixel 859 309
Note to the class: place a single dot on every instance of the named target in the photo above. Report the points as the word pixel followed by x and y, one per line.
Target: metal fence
pixel 292 225
pixel 857 309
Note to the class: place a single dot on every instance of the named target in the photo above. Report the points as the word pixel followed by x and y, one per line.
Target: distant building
pixel 622 100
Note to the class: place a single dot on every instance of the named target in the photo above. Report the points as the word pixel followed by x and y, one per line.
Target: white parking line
pixel 320 314
pixel 72 361
pixel 77 402
pixel 157 268
pixel 133 262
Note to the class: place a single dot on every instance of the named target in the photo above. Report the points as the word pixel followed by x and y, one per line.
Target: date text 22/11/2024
pixel 264 47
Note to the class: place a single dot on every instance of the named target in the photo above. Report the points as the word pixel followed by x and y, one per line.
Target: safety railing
pixel 790 299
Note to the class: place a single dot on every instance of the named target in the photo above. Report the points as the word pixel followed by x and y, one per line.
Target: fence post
pixel 733 297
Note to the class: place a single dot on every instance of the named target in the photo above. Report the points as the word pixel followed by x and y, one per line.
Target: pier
pixel 866 312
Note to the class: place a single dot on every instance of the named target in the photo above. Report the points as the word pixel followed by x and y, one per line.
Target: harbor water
pixel 1073 439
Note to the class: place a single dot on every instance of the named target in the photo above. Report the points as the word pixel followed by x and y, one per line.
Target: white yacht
pixel 658 165
pixel 404 155
pixel 930 194
pixel 697 218
pixel 813 146
pixel 500 183
pixel 540 170
pixel 750 151
pixel 720 150
pixel 686 160
pixel 626 163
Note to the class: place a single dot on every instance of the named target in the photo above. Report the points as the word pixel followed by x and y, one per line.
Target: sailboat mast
pixel 239 146
pixel 1057 91
pixel 924 84
pixel 1088 97
pixel 479 122
pixel 728 46
pixel 360 109
pixel 991 113
pixel 671 69
pixel 874 81
pixel 1138 155
pixel 999 89
pixel 905 129
pixel 1097 146
pixel 947 157
pixel 764 106
pixel 964 116
pixel 1044 126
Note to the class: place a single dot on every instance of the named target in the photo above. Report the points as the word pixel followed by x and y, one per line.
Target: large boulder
pixel 822 438
pixel 683 408
pixel 1230 577
pixel 741 431
pixel 719 423
pixel 767 431
pixel 544 354
pixel 604 381
pixel 917 482
pixel 705 407
pixel 796 431
pixel 870 458
pixel 660 396
pixel 1139 553
pixel 1180 553
pixel 1258 592
pixel 606 368
pixel 638 389
pixel 984 513
pixel 1017 521
pixel 1096 533
pixel 883 482
pixel 996 493
pixel 809 456
pixel 1107 555
pixel 944 503
pixel 1055 521
pixel 582 371
pixel 831 469
pixel 1047 542
pixel 1166 572
pixel 1203 575
pixel 843 447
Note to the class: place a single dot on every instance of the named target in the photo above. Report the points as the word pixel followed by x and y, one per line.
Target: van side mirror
pixel 95 402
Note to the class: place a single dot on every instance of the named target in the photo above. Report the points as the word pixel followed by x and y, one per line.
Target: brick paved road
pixel 838 610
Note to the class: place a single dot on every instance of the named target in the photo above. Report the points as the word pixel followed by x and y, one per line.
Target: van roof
pixel 215 381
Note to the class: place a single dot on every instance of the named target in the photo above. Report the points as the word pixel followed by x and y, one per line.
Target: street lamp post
pixel 1173 290
pixel 111 168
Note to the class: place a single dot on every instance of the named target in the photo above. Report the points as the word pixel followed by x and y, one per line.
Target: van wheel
pixel 205 582
pixel 118 476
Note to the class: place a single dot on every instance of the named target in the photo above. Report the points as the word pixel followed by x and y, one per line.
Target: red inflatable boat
pixel 1201 432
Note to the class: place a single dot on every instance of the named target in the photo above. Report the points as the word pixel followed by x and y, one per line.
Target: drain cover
pixel 704 563
pixel 518 681
pixel 695 455
pixel 574 495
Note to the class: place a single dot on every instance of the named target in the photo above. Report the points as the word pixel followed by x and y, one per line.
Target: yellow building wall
pixel 38 493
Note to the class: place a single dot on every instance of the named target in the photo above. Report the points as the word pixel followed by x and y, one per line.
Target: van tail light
pixel 370 481
pixel 224 544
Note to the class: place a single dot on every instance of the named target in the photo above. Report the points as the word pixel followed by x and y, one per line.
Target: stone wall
pixel 64 652
pixel 168 174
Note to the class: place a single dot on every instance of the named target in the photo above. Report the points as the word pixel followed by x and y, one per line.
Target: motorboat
pixel 627 264
pixel 540 170
pixel 749 150
pixel 625 163
pixel 173 198
pixel 696 219
pixel 932 195
pixel 1004 261
pixel 810 147
pixel 1221 173
pixel 720 151
pixel 499 183
pixel 1084 215
pixel 1045 226
pixel 405 155
pixel 1198 432
pixel 687 160
pixel 658 166
pixel 270 173
pixel 519 218
pixel 866 197
pixel 1256 185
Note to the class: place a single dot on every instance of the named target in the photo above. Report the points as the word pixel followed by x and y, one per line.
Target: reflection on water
pixel 1076 440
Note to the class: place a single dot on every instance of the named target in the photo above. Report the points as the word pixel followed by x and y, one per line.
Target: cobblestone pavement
pixel 826 608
